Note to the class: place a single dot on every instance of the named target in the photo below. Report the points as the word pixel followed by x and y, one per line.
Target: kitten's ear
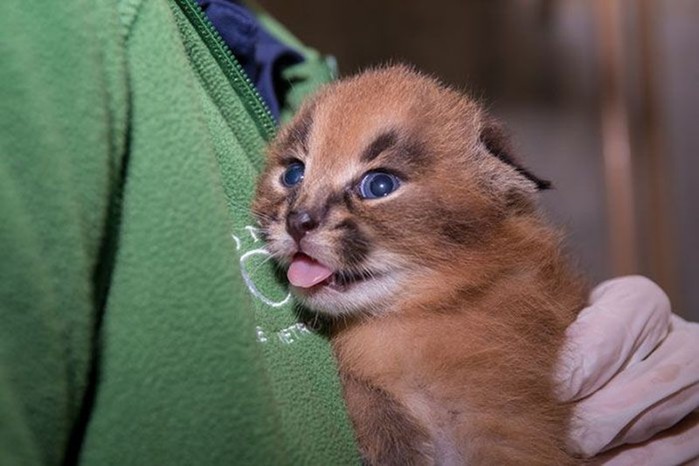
pixel 496 142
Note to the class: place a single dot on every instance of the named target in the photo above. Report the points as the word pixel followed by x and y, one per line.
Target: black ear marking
pixel 495 140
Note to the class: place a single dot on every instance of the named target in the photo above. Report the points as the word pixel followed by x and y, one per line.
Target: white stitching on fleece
pixel 254 232
pixel 286 336
pixel 251 285
pixel 290 334
pixel 237 242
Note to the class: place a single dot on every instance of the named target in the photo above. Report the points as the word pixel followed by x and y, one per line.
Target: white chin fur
pixel 368 296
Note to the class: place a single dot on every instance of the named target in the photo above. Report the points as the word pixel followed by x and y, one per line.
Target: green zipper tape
pixel 230 66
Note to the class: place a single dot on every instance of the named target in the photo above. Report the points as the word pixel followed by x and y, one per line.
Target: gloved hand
pixel 634 367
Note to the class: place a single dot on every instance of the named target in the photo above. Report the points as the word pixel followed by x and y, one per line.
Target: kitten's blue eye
pixel 377 184
pixel 293 174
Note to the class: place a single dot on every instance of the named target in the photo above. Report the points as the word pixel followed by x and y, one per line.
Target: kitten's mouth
pixel 307 273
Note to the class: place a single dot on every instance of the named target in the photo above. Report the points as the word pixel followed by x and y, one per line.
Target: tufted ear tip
pixel 495 140
pixel 541 185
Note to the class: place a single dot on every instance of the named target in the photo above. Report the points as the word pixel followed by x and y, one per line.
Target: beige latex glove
pixel 634 367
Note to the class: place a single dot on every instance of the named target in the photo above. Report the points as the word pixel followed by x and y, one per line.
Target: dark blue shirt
pixel 262 56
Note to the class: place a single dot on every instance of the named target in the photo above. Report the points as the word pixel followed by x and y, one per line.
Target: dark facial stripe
pixel 340 197
pixel 346 224
pixel 414 152
pixel 354 245
pixel 383 142
pixel 347 199
pixel 405 151
pixel 299 130
pixel 292 196
pixel 460 227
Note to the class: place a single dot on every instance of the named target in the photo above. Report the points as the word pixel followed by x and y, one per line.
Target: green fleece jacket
pixel 140 321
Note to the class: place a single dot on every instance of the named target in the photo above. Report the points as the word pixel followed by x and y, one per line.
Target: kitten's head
pixel 381 182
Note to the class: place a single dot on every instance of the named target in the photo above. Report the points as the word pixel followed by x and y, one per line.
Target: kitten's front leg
pixel 387 434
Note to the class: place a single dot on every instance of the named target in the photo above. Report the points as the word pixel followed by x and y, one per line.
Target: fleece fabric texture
pixel 140 321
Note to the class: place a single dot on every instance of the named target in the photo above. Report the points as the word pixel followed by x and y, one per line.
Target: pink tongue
pixel 305 272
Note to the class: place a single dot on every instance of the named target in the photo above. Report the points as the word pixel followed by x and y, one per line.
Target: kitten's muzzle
pixel 298 223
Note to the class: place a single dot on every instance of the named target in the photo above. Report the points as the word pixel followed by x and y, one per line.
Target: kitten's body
pixel 449 296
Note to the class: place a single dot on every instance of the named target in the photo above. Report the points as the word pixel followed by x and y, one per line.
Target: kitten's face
pixel 379 182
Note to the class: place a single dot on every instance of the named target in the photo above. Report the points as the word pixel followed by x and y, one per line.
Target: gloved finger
pixel 675 446
pixel 680 355
pixel 643 399
pixel 626 319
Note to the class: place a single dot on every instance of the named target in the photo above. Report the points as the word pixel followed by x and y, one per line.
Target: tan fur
pixel 446 356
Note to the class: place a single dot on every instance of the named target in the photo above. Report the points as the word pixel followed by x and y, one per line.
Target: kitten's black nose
pixel 299 223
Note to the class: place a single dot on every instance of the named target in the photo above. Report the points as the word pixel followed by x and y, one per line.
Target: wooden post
pixel 656 170
pixel 616 145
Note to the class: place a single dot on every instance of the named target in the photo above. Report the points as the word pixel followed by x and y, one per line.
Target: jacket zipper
pixel 230 66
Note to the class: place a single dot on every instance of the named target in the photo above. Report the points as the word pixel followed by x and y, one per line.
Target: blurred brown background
pixel 600 95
